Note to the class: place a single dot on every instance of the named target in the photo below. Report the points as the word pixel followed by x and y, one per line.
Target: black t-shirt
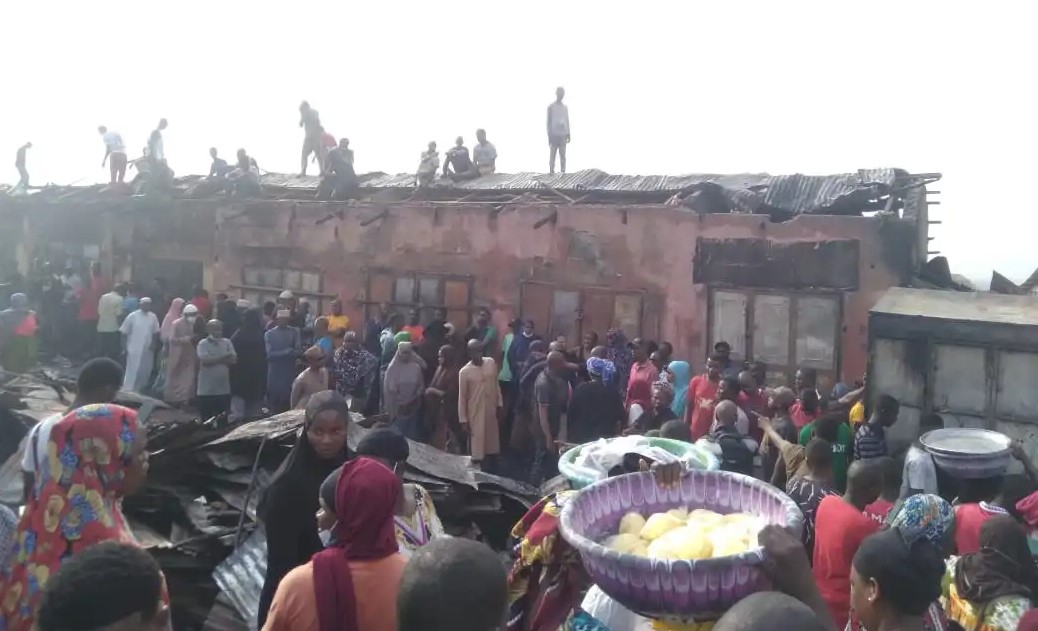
pixel 654 419
pixel 554 392
pixel 595 411
pixel 808 495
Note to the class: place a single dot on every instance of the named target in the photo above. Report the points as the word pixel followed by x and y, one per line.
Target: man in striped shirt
pixel 870 441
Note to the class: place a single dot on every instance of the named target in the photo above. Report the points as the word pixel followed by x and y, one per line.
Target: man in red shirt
pixel 702 397
pixel 840 527
pixel 88 299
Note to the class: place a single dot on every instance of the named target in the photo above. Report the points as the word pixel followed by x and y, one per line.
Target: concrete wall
pixel 647 249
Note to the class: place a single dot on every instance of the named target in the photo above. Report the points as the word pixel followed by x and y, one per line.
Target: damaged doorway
pixel 181 276
pixel 784 330
pixel 573 312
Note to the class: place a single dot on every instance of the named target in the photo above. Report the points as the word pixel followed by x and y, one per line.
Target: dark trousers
pixel 210 405
pixel 110 345
pixel 88 345
pixel 545 463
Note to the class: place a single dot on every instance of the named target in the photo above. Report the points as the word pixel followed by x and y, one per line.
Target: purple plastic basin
pixel 667 588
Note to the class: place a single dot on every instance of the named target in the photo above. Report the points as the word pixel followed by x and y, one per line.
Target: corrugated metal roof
pixel 959 306
pixel 746 192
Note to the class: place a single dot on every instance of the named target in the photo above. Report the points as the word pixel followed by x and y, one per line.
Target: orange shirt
pixel 702 397
pixel 375 585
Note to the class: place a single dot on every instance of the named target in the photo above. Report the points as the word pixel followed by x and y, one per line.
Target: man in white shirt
pixel 115 153
pixel 98 382
pixel 109 308
pixel 558 130
pixel 140 330
pixel 920 474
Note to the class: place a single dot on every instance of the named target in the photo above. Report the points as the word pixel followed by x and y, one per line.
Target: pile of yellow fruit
pixel 680 534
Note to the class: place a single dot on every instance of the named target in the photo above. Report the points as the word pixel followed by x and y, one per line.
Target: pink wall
pixel 653 251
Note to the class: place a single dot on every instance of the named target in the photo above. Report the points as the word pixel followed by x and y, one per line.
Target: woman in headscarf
pixel 356 372
pixel 991 589
pixel 176 309
pixel 18 335
pixel 894 580
pixel 415 519
pixel 680 374
pixel 352 584
pixel 441 401
pixel 618 351
pixel 96 454
pixel 249 373
pixel 596 409
pixel 926 518
pixel 288 508
pixel 227 312
pixel 402 391
pixel 182 363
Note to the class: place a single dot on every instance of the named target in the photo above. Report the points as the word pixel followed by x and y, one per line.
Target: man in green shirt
pixel 842 443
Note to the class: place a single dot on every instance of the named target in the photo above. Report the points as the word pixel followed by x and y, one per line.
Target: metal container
pixel 968 453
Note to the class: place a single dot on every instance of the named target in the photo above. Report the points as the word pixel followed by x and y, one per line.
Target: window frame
pixel 582 292
pixel 316 299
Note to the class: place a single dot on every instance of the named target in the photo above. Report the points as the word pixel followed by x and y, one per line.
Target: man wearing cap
pixel 181 364
pixel 283 343
pixel 140 332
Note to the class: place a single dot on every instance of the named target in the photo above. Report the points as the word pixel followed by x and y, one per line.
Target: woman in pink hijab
pixel 165 330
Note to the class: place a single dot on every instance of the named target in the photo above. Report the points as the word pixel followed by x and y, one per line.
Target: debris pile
pixel 197 514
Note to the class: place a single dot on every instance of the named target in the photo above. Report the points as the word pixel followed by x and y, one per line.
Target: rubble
pixel 197 514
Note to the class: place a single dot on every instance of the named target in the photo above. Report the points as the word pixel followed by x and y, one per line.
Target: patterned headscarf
pixel 926 516
pixel 618 351
pixel 602 368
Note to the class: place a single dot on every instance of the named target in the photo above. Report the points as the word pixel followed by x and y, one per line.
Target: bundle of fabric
pixel 545 581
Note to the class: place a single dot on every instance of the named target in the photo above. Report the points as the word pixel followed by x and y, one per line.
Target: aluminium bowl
pixel 968 453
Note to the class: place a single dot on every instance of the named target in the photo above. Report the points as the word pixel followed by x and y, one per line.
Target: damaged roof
pixel 845 193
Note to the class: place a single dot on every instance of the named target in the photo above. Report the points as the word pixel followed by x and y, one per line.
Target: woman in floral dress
pixel 95 456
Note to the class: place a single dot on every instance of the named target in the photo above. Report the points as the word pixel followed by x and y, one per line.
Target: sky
pixel 653 87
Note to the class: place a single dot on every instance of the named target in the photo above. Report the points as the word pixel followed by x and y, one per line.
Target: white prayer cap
pixel 145 301
pixel 286 295
pixel 284 313
pixel 190 309
pixel 244 304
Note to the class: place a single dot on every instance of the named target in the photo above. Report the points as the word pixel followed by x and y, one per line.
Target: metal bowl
pixel 666 588
pixel 968 453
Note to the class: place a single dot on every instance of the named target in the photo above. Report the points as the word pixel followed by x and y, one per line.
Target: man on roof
pixel 457 165
pixel 484 154
pixel 310 121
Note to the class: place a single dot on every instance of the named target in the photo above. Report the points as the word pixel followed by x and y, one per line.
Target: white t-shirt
pixel 109 306
pixel 40 434
pixel 919 472
pixel 114 142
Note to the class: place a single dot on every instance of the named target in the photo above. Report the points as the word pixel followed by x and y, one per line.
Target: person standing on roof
pixel 310 121
pixel 115 153
pixel 558 130
pixel 156 147
pixel 19 163
pixel 484 154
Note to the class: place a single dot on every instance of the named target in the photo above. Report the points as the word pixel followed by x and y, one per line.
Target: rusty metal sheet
pixel 456 294
pixel 959 385
pixel 535 303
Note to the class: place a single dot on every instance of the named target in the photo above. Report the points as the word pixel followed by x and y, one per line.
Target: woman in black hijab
pixel 249 373
pixel 894 583
pixel 996 583
pixel 288 509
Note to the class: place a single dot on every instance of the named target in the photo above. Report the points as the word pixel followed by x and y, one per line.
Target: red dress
pixel 639 385
pixel 79 488
pixel 702 397
pixel 839 530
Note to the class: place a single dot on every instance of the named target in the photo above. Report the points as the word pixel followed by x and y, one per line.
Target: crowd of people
pixel 334 158
pixel 887 544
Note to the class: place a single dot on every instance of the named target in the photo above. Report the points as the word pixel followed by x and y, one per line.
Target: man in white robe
pixel 140 332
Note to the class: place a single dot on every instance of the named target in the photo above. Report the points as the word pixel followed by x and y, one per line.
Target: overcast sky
pixel 654 87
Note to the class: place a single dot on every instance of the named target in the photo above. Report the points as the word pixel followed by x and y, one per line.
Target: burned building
pixel 785 268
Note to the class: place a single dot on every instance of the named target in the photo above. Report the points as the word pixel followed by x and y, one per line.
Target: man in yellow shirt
pixel 337 320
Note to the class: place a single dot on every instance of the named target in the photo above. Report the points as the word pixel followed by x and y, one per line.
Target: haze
pixel 653 87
